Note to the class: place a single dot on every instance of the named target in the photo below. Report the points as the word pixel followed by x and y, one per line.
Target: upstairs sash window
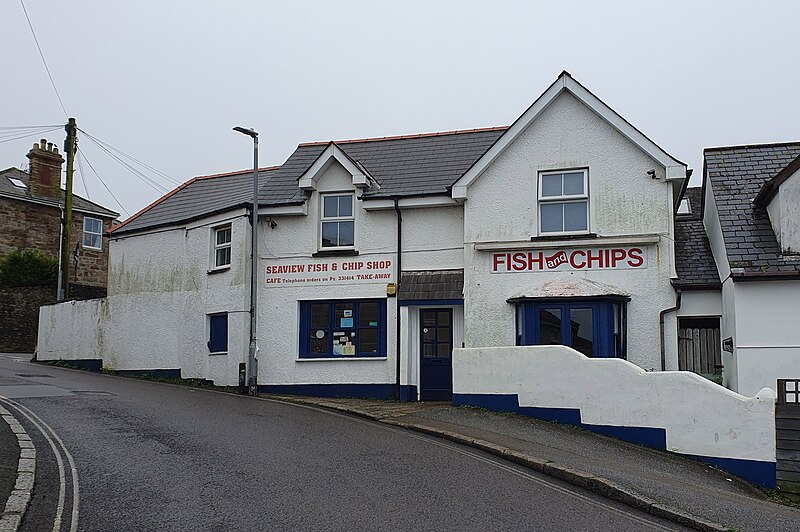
pixel 563 202
pixel 337 221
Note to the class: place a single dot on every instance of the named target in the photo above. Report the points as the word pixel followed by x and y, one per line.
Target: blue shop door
pixel 436 352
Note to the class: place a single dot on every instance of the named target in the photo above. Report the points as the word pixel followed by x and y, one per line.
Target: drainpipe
pixel 397 292
pixel 661 326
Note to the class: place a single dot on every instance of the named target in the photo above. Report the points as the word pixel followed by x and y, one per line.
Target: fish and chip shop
pixel 377 257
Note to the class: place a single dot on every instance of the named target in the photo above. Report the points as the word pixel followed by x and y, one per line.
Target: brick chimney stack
pixel 45 170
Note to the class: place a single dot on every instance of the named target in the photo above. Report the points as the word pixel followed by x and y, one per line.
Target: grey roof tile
pixel 427 285
pixel 7 188
pixel 412 165
pixel 196 198
pixel 694 261
pixel 737 174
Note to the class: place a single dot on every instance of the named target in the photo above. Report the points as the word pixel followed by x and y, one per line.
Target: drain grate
pixel 37 375
pixel 91 392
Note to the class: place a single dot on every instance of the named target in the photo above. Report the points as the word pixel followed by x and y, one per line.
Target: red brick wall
pixel 26 225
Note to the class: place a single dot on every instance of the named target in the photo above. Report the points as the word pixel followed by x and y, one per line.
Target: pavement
pixel 663 484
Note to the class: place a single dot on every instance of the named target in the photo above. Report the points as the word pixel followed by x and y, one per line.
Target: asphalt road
pixel 151 456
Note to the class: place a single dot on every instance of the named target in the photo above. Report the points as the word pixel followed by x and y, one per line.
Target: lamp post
pixel 252 357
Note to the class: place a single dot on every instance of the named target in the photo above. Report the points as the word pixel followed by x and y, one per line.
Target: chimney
pixel 45 170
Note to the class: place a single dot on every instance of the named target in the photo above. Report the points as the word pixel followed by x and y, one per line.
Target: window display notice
pixel 329 272
pixel 570 259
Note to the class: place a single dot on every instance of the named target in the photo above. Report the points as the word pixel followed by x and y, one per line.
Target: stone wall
pixel 28 225
pixel 19 315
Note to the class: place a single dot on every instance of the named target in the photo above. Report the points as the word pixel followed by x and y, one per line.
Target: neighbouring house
pixel 750 209
pixel 378 256
pixel 31 206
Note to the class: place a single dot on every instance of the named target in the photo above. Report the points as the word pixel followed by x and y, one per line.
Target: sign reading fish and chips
pixel 631 258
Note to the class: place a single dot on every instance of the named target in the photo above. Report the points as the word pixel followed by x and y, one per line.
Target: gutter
pixel 661 326
pixel 764 276
pixel 397 291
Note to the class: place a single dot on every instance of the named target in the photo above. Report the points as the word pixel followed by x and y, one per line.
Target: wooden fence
pixel 787 434
pixel 699 351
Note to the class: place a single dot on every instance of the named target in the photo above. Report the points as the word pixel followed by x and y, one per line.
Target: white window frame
pixel 215 247
pixel 85 232
pixel 323 218
pixel 571 198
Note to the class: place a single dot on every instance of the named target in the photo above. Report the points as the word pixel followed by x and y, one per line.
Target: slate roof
pixel 198 197
pixel 7 188
pixel 442 284
pixel 737 174
pixel 410 165
pixel 694 260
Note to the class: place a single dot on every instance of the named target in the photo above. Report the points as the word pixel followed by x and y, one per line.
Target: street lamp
pixel 252 357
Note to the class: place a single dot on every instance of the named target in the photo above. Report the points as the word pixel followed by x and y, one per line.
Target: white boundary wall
pixel 71 330
pixel 699 417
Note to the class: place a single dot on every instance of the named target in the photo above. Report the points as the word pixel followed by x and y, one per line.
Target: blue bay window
pixel 596 328
pixel 343 328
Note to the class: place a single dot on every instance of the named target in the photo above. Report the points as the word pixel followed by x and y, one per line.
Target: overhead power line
pixel 83 178
pixel 137 173
pixel 41 54
pixel 167 177
pixel 103 182
pixel 17 135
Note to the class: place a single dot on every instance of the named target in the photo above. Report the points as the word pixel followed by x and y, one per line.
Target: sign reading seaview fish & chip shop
pixel 570 259
pixel 328 272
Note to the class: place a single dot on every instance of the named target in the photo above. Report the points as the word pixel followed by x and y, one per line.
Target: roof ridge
pixel 402 137
pixel 740 146
pixel 236 172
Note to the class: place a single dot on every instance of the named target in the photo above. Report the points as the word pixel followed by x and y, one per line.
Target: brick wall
pixel 19 314
pixel 27 225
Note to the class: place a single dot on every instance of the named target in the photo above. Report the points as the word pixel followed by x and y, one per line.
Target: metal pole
pixel 252 356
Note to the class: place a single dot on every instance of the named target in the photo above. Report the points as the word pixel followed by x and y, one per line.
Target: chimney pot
pixel 44 170
pixel 35 145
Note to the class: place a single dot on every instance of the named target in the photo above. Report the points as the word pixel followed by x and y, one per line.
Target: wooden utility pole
pixel 69 148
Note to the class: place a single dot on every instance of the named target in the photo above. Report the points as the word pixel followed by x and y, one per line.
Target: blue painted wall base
pixel 758 472
pixel 359 391
pixel 89 364
pixel 156 373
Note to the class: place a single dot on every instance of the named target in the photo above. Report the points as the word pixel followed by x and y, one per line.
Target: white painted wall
pixel 714 231
pixel 706 303
pixel 624 200
pixel 784 214
pixel 71 330
pixel 432 240
pixel 730 372
pixel 708 420
pixel 768 336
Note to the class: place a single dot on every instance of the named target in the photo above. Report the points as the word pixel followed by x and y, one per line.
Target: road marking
pixel 44 428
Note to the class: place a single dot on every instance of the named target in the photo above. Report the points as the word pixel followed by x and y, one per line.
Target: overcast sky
pixel 165 80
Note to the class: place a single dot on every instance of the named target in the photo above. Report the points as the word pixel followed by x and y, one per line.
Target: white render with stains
pixel 161 291
pixel 624 201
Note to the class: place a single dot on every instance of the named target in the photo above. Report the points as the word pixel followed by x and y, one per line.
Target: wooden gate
pixel 699 348
pixel 787 436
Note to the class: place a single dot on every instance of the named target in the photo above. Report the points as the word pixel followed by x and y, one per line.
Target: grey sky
pixel 165 81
